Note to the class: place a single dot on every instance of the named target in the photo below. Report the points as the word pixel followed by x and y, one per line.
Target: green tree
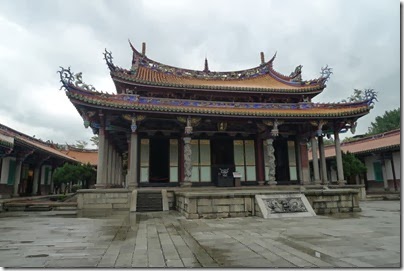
pixel 328 141
pixel 95 140
pixel 352 166
pixel 80 144
pixel 73 174
pixel 389 121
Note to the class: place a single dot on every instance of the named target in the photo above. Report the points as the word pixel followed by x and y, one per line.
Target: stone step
pixel 148 201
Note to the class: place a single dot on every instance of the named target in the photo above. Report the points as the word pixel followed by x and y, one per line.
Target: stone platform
pixel 213 202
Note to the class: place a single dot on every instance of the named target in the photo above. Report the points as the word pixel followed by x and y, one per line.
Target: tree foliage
pixel 328 141
pixel 73 173
pixel 95 140
pixel 389 121
pixel 352 165
pixel 80 144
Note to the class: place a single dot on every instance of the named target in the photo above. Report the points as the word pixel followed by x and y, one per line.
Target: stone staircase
pixel 149 201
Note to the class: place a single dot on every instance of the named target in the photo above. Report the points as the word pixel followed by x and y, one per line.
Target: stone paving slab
pixel 51 239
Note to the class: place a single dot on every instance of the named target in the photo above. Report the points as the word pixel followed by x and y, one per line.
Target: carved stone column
pixel 187 162
pixel 272 162
pixel 133 172
pixel 338 156
pixel 316 171
pixel 323 163
pixel 304 156
pixel 260 161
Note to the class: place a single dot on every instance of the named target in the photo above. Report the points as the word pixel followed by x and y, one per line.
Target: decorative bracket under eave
pixel 319 124
pixel 274 124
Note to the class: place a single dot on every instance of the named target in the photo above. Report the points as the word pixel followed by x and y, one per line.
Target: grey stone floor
pixel 98 239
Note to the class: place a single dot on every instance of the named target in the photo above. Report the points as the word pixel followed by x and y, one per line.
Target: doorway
pixel 159 160
pixel 222 156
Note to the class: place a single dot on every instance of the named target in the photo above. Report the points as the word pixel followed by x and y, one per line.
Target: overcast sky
pixel 360 40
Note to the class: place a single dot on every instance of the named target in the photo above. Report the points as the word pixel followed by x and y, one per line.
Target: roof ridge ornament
pixel 325 73
pixel 206 69
pixel 368 95
pixel 67 77
pixel 108 58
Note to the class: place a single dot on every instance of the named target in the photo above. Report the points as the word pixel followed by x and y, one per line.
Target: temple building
pixel 27 164
pixel 170 126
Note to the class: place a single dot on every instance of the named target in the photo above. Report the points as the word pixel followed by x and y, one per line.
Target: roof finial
pixel 262 58
pixel 206 65
pixel 143 48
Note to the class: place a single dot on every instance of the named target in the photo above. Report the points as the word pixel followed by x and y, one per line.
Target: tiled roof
pixel 22 139
pixel 146 104
pixel 259 83
pixel 84 156
pixel 262 78
pixel 374 143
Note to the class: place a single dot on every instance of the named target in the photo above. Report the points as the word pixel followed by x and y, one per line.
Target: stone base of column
pixel 341 182
pixel 186 184
pixel 325 183
pixel 132 186
pixel 100 186
pixel 317 181
pixel 272 183
pixel 261 182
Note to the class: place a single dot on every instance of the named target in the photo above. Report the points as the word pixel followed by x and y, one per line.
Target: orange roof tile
pixel 84 156
pixel 260 82
pixel 368 144
pixel 33 142
pixel 145 71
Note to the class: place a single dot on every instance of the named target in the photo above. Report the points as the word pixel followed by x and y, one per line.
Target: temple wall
pixel 220 205
pixel 6 191
pixel 115 198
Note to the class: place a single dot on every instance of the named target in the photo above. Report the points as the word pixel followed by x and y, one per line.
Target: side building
pixel 27 164
pixel 182 127
pixel 381 154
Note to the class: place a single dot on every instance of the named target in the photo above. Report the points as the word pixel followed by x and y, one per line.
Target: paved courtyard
pixel 65 239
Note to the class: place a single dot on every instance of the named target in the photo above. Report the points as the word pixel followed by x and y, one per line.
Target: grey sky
pixel 359 39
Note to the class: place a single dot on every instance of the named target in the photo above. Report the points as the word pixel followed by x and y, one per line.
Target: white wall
pixel 43 171
pixel 5 169
pixel 386 168
pixel 369 165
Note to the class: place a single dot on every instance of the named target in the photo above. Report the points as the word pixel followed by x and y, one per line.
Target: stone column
pixel 51 181
pixel 272 162
pixel 384 173
pixel 101 182
pixel 299 159
pixel 260 161
pixel 304 155
pixel 119 171
pixel 181 162
pixel 338 156
pixel 133 170
pixel 109 167
pixel 5 165
pixel 17 176
pixel 187 162
pixel 323 162
pixel 117 168
pixel 113 166
pixel 36 180
pixel 316 171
